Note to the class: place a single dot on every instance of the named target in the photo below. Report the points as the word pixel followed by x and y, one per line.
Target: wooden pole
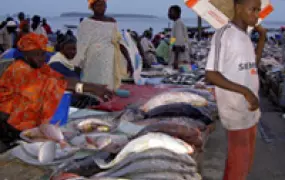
pixel 199 28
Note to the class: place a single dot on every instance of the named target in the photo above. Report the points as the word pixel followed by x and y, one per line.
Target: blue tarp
pixel 61 115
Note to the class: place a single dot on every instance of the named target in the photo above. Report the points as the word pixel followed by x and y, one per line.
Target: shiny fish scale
pixel 174 97
pixel 180 120
pixel 153 165
pixel 162 175
pixel 158 153
pixel 150 141
pixel 93 120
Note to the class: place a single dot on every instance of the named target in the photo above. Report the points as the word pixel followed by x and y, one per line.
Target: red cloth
pixel 138 95
pixel 241 148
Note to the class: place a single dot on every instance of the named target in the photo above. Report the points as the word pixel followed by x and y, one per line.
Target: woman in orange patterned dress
pixel 30 90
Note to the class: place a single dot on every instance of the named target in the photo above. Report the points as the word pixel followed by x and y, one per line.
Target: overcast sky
pixel 151 7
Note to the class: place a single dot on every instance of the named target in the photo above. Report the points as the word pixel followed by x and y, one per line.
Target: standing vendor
pixel 30 91
pixel 99 49
pixel 232 68
pixel 179 39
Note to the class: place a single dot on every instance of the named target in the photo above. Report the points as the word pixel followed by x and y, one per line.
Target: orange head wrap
pixel 32 41
pixel 91 3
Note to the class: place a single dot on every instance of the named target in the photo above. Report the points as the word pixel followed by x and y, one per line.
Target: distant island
pixel 80 14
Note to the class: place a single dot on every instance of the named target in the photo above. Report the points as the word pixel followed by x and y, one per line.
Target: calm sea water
pixel 139 24
pixel 136 24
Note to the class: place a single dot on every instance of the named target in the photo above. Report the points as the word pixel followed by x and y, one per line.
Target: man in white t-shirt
pixel 232 68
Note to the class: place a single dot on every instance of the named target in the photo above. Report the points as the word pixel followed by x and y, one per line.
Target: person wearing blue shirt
pixel 61 61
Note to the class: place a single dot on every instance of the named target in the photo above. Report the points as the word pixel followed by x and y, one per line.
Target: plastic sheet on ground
pixel 139 94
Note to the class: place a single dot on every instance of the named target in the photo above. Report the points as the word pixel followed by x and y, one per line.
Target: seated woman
pixel 30 91
pixel 60 62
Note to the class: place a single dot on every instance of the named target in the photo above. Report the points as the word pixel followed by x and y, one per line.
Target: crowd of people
pixel 12 30
pixel 96 61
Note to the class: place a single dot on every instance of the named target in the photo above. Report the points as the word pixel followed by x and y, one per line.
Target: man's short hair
pixel 176 8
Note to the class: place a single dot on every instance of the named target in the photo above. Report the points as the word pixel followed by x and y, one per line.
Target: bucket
pixel 61 114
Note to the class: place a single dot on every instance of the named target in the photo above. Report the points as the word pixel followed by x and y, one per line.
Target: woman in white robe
pixel 99 49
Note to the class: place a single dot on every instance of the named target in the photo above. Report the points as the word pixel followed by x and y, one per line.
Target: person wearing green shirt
pixel 162 51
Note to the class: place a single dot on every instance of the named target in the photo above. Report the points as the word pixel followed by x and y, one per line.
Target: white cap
pixel 11 24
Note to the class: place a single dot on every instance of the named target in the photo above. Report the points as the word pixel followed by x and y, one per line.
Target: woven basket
pixel 225 6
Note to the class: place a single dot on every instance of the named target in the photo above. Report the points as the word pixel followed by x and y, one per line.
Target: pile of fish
pixel 190 78
pixel 199 50
pixel 142 142
pixel 150 157
pixel 174 97
pixel 47 145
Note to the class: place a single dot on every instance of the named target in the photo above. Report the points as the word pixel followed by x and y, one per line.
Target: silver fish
pixel 33 135
pixel 189 122
pixel 158 153
pixel 84 167
pixel 188 134
pixel 52 133
pixel 47 152
pixel 174 97
pixel 153 165
pixel 132 114
pixel 93 125
pixel 201 92
pixel 150 141
pixel 164 176
pixel 108 143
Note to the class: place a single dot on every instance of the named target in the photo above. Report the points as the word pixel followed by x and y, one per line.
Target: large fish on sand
pixel 158 153
pixel 33 135
pixel 201 92
pixel 153 165
pixel 53 133
pixel 188 134
pixel 186 121
pixel 45 132
pixel 93 125
pixel 174 97
pixel 150 141
pixel 47 152
pixel 85 167
pixel 131 114
pixel 108 143
pixel 179 109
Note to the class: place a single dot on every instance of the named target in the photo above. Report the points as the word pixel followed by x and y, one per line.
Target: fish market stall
pixel 162 126
pixel 165 132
